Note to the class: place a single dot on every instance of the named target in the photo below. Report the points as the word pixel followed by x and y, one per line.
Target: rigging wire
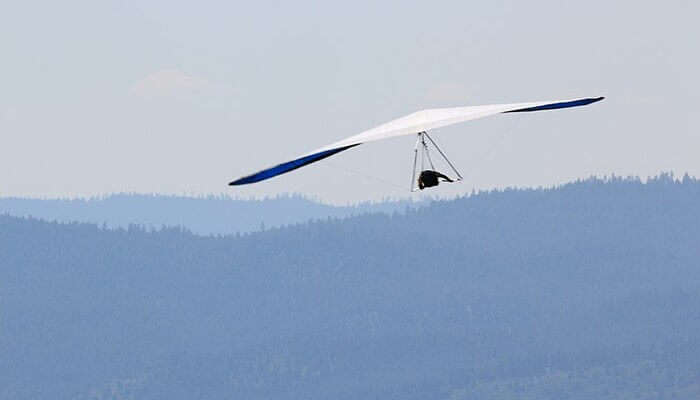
pixel 415 158
pixel 427 152
pixel 393 185
pixel 442 154
pixel 424 154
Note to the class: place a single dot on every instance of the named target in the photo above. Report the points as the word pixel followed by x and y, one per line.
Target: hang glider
pixel 417 123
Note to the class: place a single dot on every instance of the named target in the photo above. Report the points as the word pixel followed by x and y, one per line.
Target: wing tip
pixel 561 104
pixel 289 166
pixel 244 180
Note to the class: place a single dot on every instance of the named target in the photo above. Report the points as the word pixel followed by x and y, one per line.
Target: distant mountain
pixel 202 215
pixel 587 291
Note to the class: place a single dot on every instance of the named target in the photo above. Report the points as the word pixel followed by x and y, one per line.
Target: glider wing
pixel 417 122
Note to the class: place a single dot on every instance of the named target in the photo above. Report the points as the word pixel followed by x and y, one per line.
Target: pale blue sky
pixel 181 97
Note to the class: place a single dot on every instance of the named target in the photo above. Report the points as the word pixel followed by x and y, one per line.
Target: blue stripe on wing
pixel 564 104
pixel 288 166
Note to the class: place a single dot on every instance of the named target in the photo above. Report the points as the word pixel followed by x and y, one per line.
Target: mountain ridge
pixel 507 294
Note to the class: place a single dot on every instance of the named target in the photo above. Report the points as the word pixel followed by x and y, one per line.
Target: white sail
pixel 411 124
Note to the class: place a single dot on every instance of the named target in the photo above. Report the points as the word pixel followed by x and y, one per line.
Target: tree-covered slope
pixel 589 290
pixel 202 215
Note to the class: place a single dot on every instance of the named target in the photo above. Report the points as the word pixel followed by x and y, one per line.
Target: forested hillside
pixel 589 290
pixel 202 215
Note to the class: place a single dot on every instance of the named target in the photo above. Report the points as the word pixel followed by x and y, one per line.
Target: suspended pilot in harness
pixel 430 178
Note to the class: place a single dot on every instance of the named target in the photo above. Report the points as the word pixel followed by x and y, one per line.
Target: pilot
pixel 430 178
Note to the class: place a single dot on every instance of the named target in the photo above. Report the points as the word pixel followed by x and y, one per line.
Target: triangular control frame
pixel 425 155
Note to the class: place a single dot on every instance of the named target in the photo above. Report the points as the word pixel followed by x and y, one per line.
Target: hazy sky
pixel 182 97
